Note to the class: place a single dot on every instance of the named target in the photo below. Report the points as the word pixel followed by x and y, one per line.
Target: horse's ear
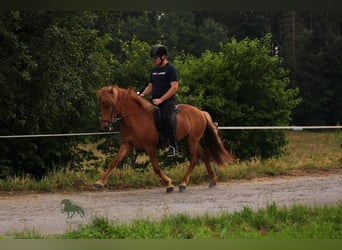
pixel 114 94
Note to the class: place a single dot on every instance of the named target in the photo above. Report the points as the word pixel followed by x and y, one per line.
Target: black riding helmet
pixel 158 50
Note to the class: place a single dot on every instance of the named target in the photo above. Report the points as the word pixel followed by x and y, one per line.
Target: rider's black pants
pixel 168 110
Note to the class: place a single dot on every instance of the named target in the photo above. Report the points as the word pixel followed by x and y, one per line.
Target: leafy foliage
pixel 53 63
pixel 318 75
pixel 241 85
pixel 135 66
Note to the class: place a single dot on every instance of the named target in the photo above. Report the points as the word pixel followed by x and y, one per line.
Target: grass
pixel 272 222
pixel 307 152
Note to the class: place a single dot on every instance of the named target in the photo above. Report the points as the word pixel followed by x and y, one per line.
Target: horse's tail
pixel 214 143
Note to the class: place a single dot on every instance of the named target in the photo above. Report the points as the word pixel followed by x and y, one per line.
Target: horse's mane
pixel 119 96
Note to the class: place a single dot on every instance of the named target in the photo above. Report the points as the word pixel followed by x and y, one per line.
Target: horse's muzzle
pixel 106 125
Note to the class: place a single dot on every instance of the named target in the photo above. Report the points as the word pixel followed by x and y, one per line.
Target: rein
pixel 115 119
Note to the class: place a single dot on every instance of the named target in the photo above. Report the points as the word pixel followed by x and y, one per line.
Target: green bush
pixel 241 85
pixel 52 64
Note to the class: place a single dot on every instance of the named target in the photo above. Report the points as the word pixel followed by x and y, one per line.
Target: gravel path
pixel 42 212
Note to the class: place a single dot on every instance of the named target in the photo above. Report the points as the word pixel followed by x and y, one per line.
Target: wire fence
pixel 57 135
pixel 294 128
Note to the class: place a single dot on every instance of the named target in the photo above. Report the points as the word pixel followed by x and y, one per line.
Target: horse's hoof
pixel 182 188
pixel 169 190
pixel 212 184
pixel 97 186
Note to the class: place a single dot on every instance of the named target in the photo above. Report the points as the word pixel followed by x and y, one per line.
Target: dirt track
pixel 42 212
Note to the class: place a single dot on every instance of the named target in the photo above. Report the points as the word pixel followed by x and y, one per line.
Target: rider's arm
pixel 171 92
pixel 147 90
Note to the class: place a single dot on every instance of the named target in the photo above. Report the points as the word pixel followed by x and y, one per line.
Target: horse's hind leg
pixel 193 161
pixel 205 158
pixel 81 213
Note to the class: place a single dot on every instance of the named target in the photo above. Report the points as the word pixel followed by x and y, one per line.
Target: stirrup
pixel 172 152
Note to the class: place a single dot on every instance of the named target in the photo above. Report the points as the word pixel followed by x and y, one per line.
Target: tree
pixel 135 66
pixel 317 70
pixel 53 63
pixel 249 89
pixel 210 35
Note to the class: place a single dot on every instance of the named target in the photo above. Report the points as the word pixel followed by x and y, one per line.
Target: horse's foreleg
pixel 205 158
pixel 124 149
pixel 156 168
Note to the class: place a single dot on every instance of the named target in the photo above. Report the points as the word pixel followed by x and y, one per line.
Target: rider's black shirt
pixel 161 79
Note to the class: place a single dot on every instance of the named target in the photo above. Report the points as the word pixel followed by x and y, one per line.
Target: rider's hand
pixel 157 101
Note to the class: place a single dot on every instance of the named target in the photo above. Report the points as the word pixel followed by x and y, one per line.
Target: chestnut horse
pixel 137 130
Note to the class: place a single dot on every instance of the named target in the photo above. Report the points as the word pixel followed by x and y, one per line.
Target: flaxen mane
pixel 105 94
pixel 118 96
pixel 144 104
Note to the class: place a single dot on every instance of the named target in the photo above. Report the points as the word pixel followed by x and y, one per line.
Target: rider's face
pixel 157 60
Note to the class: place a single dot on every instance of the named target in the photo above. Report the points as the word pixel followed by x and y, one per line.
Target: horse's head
pixel 117 103
pixel 65 202
pixel 106 100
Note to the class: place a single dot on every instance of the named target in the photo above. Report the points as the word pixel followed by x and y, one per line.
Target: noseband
pixel 114 119
pixel 111 122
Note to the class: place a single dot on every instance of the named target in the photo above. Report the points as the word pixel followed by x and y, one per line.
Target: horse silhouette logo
pixel 71 209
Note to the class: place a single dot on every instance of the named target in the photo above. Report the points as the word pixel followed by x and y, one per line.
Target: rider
pixel 163 85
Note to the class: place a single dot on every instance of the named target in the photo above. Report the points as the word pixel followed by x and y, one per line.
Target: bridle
pixel 114 119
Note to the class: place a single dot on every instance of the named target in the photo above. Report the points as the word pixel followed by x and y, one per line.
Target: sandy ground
pixel 42 212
